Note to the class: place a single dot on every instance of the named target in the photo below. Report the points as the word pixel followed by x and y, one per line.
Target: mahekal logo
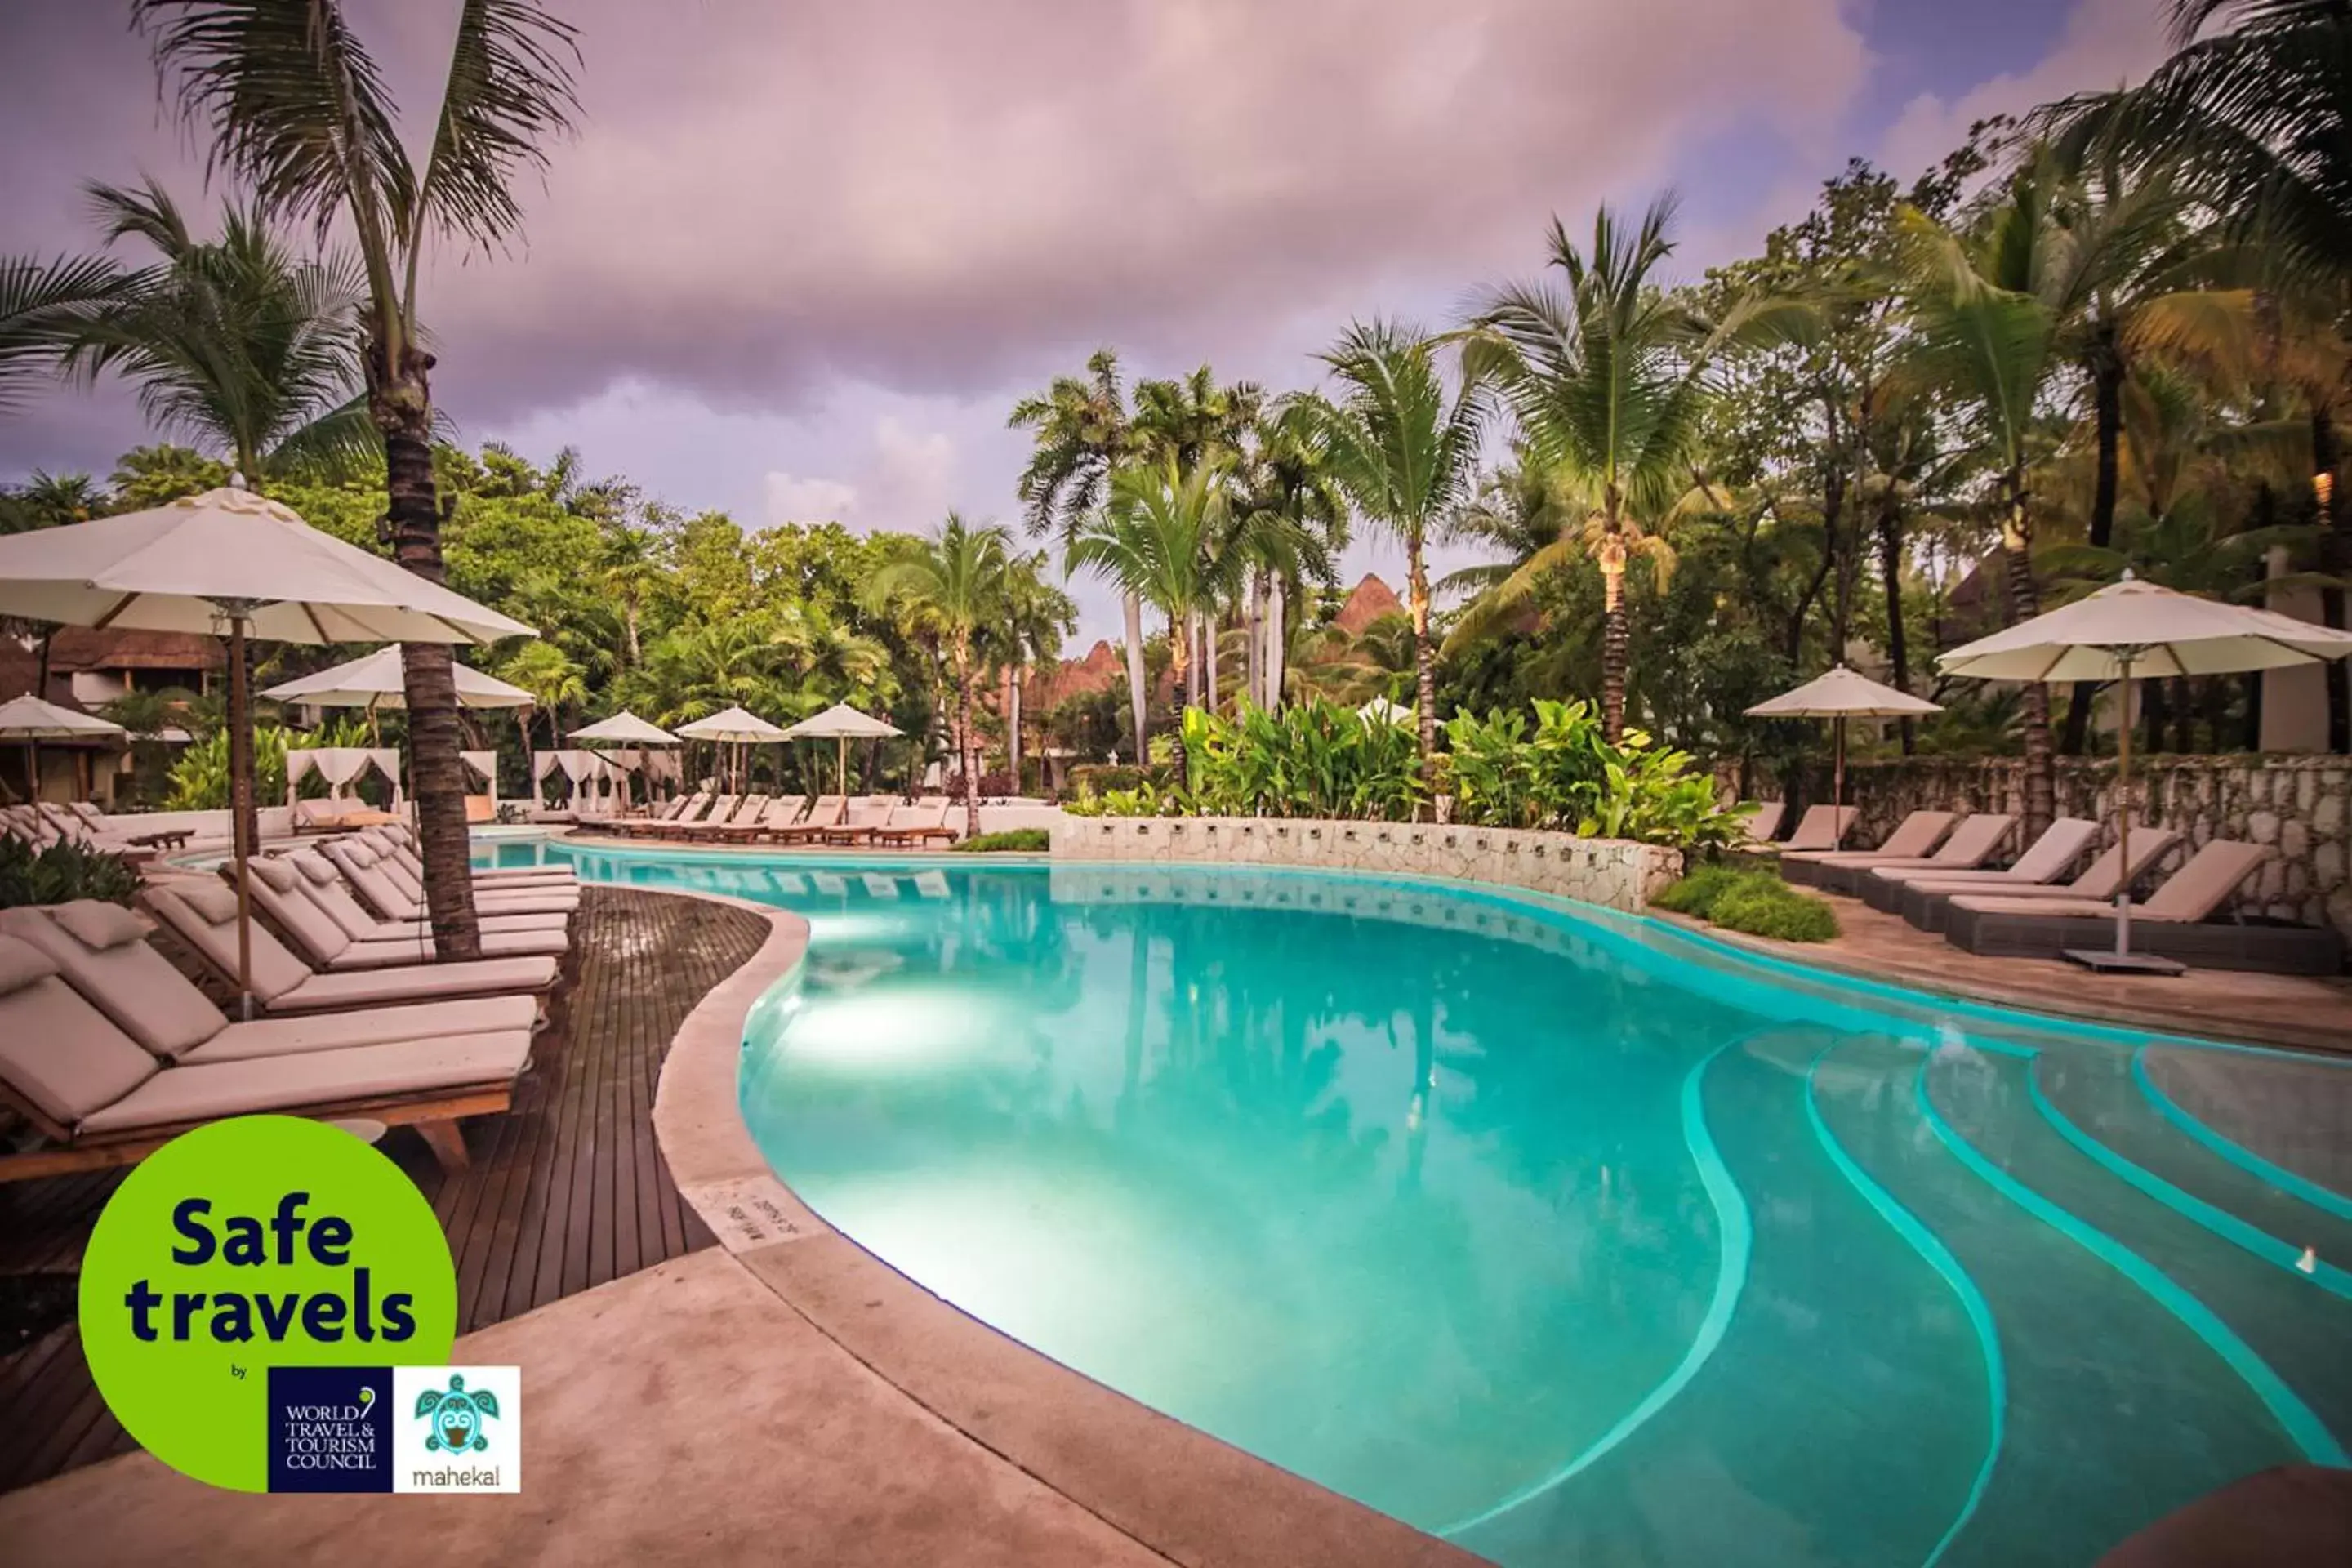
pixel 457 1417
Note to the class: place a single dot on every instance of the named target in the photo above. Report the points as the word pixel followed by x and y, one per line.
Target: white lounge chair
pixel 102 951
pixel 1972 844
pixel 1912 837
pixel 282 894
pixel 101 1099
pixel 202 915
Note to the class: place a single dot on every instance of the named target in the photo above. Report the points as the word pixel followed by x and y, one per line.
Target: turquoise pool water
pixel 1570 1236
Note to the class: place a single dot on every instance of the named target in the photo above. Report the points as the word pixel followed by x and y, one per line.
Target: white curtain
pixel 338 765
pixel 486 766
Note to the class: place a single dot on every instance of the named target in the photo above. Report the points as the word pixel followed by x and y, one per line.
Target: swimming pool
pixel 1566 1235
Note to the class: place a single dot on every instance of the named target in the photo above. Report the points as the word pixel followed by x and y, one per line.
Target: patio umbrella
pixel 732 727
pixel 2130 629
pixel 624 729
pixel 1841 695
pixel 31 720
pixel 842 723
pixel 231 558
pixel 373 680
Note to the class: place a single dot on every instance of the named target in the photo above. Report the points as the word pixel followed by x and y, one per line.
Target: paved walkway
pixel 684 1414
pixel 2270 1009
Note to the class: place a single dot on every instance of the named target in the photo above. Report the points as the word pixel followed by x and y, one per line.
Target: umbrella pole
pixel 1837 782
pixel 2123 812
pixel 841 744
pixel 240 804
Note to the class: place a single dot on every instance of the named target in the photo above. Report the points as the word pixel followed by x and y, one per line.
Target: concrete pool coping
pixel 1170 1488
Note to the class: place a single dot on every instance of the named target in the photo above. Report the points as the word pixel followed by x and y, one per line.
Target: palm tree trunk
pixel 1254 639
pixel 401 404
pixel 2025 602
pixel 2107 409
pixel 967 752
pixel 1424 661
pixel 1615 636
pixel 1278 639
pixel 1209 657
pixel 1138 684
pixel 1013 725
pixel 1890 571
pixel 2335 558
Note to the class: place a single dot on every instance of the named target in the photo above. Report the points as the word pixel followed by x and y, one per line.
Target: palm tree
pixel 295 107
pixel 1404 450
pixel 1608 380
pixel 41 305
pixel 1982 335
pixel 1084 433
pixel 555 683
pixel 234 345
pixel 953 586
pixel 1037 616
pixel 1293 523
pixel 1163 538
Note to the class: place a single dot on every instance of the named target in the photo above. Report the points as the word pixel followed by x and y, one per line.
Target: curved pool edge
pixel 1173 1488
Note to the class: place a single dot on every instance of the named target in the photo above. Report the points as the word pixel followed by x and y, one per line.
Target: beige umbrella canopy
pixel 375 681
pixel 29 721
pixel 1840 694
pixel 2129 629
pixel 623 729
pixel 842 723
pixel 231 560
pixel 732 727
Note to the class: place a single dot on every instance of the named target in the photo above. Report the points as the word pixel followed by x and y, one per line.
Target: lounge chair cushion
pixel 418 982
pixel 216 903
pixel 55 1049
pixel 95 923
pixel 277 874
pixel 366 1026
pixel 195 913
pixel 129 982
pixel 315 866
pixel 317 1079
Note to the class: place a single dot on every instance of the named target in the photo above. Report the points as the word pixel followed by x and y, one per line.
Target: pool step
pixel 1841 1330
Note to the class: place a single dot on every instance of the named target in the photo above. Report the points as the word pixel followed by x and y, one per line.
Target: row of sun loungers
pixel 84 824
pixel 792 820
pixel 108 1050
pixel 2027 912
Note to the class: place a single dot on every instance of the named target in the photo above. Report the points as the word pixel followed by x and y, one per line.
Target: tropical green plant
pixel 1565 773
pixel 1163 537
pixel 1750 898
pixel 953 587
pixel 1013 840
pixel 61 873
pixel 293 104
pixel 1084 433
pixel 1608 380
pixel 235 343
pixel 1311 759
pixel 1404 449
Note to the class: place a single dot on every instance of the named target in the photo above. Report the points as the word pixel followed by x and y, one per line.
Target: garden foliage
pixel 1751 898
pixel 61 873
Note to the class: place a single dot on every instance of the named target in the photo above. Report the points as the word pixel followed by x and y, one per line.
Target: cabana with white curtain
pixel 340 766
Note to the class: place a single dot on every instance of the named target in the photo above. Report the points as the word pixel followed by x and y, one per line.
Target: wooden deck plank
pixel 567 1189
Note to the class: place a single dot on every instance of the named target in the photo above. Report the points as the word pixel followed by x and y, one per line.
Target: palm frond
pixel 510 90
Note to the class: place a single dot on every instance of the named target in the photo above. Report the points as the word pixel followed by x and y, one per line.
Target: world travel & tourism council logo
pixel 395 1429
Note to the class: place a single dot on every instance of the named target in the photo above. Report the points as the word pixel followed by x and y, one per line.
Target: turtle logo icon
pixel 457 1417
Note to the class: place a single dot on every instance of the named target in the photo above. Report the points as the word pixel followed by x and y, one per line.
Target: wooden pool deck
pixel 565 1192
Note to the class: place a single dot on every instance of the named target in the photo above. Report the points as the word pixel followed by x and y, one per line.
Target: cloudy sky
pixel 802 258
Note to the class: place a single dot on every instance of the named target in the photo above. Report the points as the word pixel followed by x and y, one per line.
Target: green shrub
pixel 1122 803
pixel 61 873
pixel 1314 758
pixel 1751 898
pixel 1094 778
pixel 1786 915
pixel 996 843
pixel 1696 893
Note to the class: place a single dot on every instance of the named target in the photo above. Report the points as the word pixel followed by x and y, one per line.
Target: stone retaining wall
pixel 1608 871
pixel 2300 805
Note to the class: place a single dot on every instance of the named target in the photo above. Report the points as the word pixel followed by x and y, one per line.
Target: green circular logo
pixel 257 1242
